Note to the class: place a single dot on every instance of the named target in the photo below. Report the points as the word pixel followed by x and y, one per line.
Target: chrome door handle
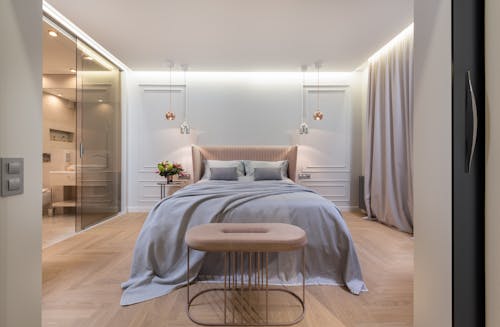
pixel 81 150
pixel 474 122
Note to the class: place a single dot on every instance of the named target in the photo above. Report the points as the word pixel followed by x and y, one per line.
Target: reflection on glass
pixel 99 137
pixel 59 113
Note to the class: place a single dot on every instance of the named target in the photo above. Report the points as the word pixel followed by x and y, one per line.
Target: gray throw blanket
pixel 160 255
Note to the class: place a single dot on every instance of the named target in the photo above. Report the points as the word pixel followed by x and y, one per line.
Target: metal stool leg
pixel 187 278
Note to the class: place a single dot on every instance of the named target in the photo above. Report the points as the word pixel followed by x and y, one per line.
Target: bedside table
pixel 169 189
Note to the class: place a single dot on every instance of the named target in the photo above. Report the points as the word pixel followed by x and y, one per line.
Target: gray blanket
pixel 160 255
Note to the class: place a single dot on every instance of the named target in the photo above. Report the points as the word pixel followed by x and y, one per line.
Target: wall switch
pixel 14 184
pixel 304 176
pixel 14 168
pixel 11 176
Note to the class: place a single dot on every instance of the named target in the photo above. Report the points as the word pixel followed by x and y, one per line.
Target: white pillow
pixel 250 166
pixel 240 168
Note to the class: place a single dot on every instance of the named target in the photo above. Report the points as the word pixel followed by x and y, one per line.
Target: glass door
pixel 98 137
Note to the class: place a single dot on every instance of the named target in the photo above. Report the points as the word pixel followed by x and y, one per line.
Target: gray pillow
pixel 224 173
pixel 250 166
pixel 264 174
pixel 223 164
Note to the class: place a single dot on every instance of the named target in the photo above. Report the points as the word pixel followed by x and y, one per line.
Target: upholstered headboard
pixel 263 153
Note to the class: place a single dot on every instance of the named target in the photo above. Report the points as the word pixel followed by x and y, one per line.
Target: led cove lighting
pixel 391 43
pixel 90 55
pixel 71 27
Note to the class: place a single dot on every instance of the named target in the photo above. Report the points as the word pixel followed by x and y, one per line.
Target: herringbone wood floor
pixel 82 276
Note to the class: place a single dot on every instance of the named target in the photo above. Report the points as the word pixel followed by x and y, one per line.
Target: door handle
pixel 474 122
pixel 81 150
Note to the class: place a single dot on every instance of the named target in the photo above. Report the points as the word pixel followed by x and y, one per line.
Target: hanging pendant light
pixel 185 128
pixel 170 114
pixel 317 115
pixel 303 128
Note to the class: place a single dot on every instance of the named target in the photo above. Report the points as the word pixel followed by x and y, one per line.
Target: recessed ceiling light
pixel 88 58
pixel 53 33
pixel 72 70
pixel 100 100
pixel 59 94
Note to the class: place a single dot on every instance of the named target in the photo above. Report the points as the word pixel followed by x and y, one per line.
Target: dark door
pixel 468 163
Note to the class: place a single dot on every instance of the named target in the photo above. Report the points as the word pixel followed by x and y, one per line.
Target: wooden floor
pixel 82 276
pixel 56 228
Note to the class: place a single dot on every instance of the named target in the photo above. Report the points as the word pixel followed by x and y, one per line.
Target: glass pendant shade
pixel 318 115
pixel 170 115
pixel 185 128
pixel 303 129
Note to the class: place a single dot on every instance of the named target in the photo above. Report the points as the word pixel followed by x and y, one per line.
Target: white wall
pixel 492 163
pixel 245 109
pixel 20 136
pixel 432 164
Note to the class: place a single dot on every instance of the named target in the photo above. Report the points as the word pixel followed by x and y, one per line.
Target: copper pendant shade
pixel 318 115
pixel 170 115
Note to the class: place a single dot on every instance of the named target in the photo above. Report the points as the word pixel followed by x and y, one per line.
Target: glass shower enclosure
pixel 82 133
pixel 98 172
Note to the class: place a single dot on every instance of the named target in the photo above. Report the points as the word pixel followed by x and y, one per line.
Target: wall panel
pixel 246 109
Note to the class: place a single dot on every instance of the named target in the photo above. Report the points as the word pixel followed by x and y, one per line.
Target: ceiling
pixel 237 35
pixel 60 54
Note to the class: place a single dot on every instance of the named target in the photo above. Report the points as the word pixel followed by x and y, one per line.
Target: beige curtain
pixel 388 166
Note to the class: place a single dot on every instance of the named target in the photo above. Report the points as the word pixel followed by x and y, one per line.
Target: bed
pixel 159 261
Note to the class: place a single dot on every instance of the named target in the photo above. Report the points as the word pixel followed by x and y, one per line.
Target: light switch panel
pixel 11 176
pixel 14 167
pixel 14 184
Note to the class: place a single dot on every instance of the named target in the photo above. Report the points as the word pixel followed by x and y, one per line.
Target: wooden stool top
pixel 260 237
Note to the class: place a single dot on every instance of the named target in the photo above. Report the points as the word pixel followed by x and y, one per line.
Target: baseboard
pixel 349 208
pixel 139 209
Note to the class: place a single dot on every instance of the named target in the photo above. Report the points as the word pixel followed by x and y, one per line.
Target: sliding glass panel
pixel 59 133
pixel 99 137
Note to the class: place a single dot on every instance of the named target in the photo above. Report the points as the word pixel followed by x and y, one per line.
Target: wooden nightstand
pixel 169 189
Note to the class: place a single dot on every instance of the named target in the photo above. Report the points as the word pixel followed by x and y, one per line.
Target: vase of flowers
pixel 169 170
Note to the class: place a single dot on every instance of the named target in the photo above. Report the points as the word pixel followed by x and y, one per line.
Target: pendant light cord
pixel 170 88
pixel 317 91
pixel 303 97
pixel 185 94
pixel 304 69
